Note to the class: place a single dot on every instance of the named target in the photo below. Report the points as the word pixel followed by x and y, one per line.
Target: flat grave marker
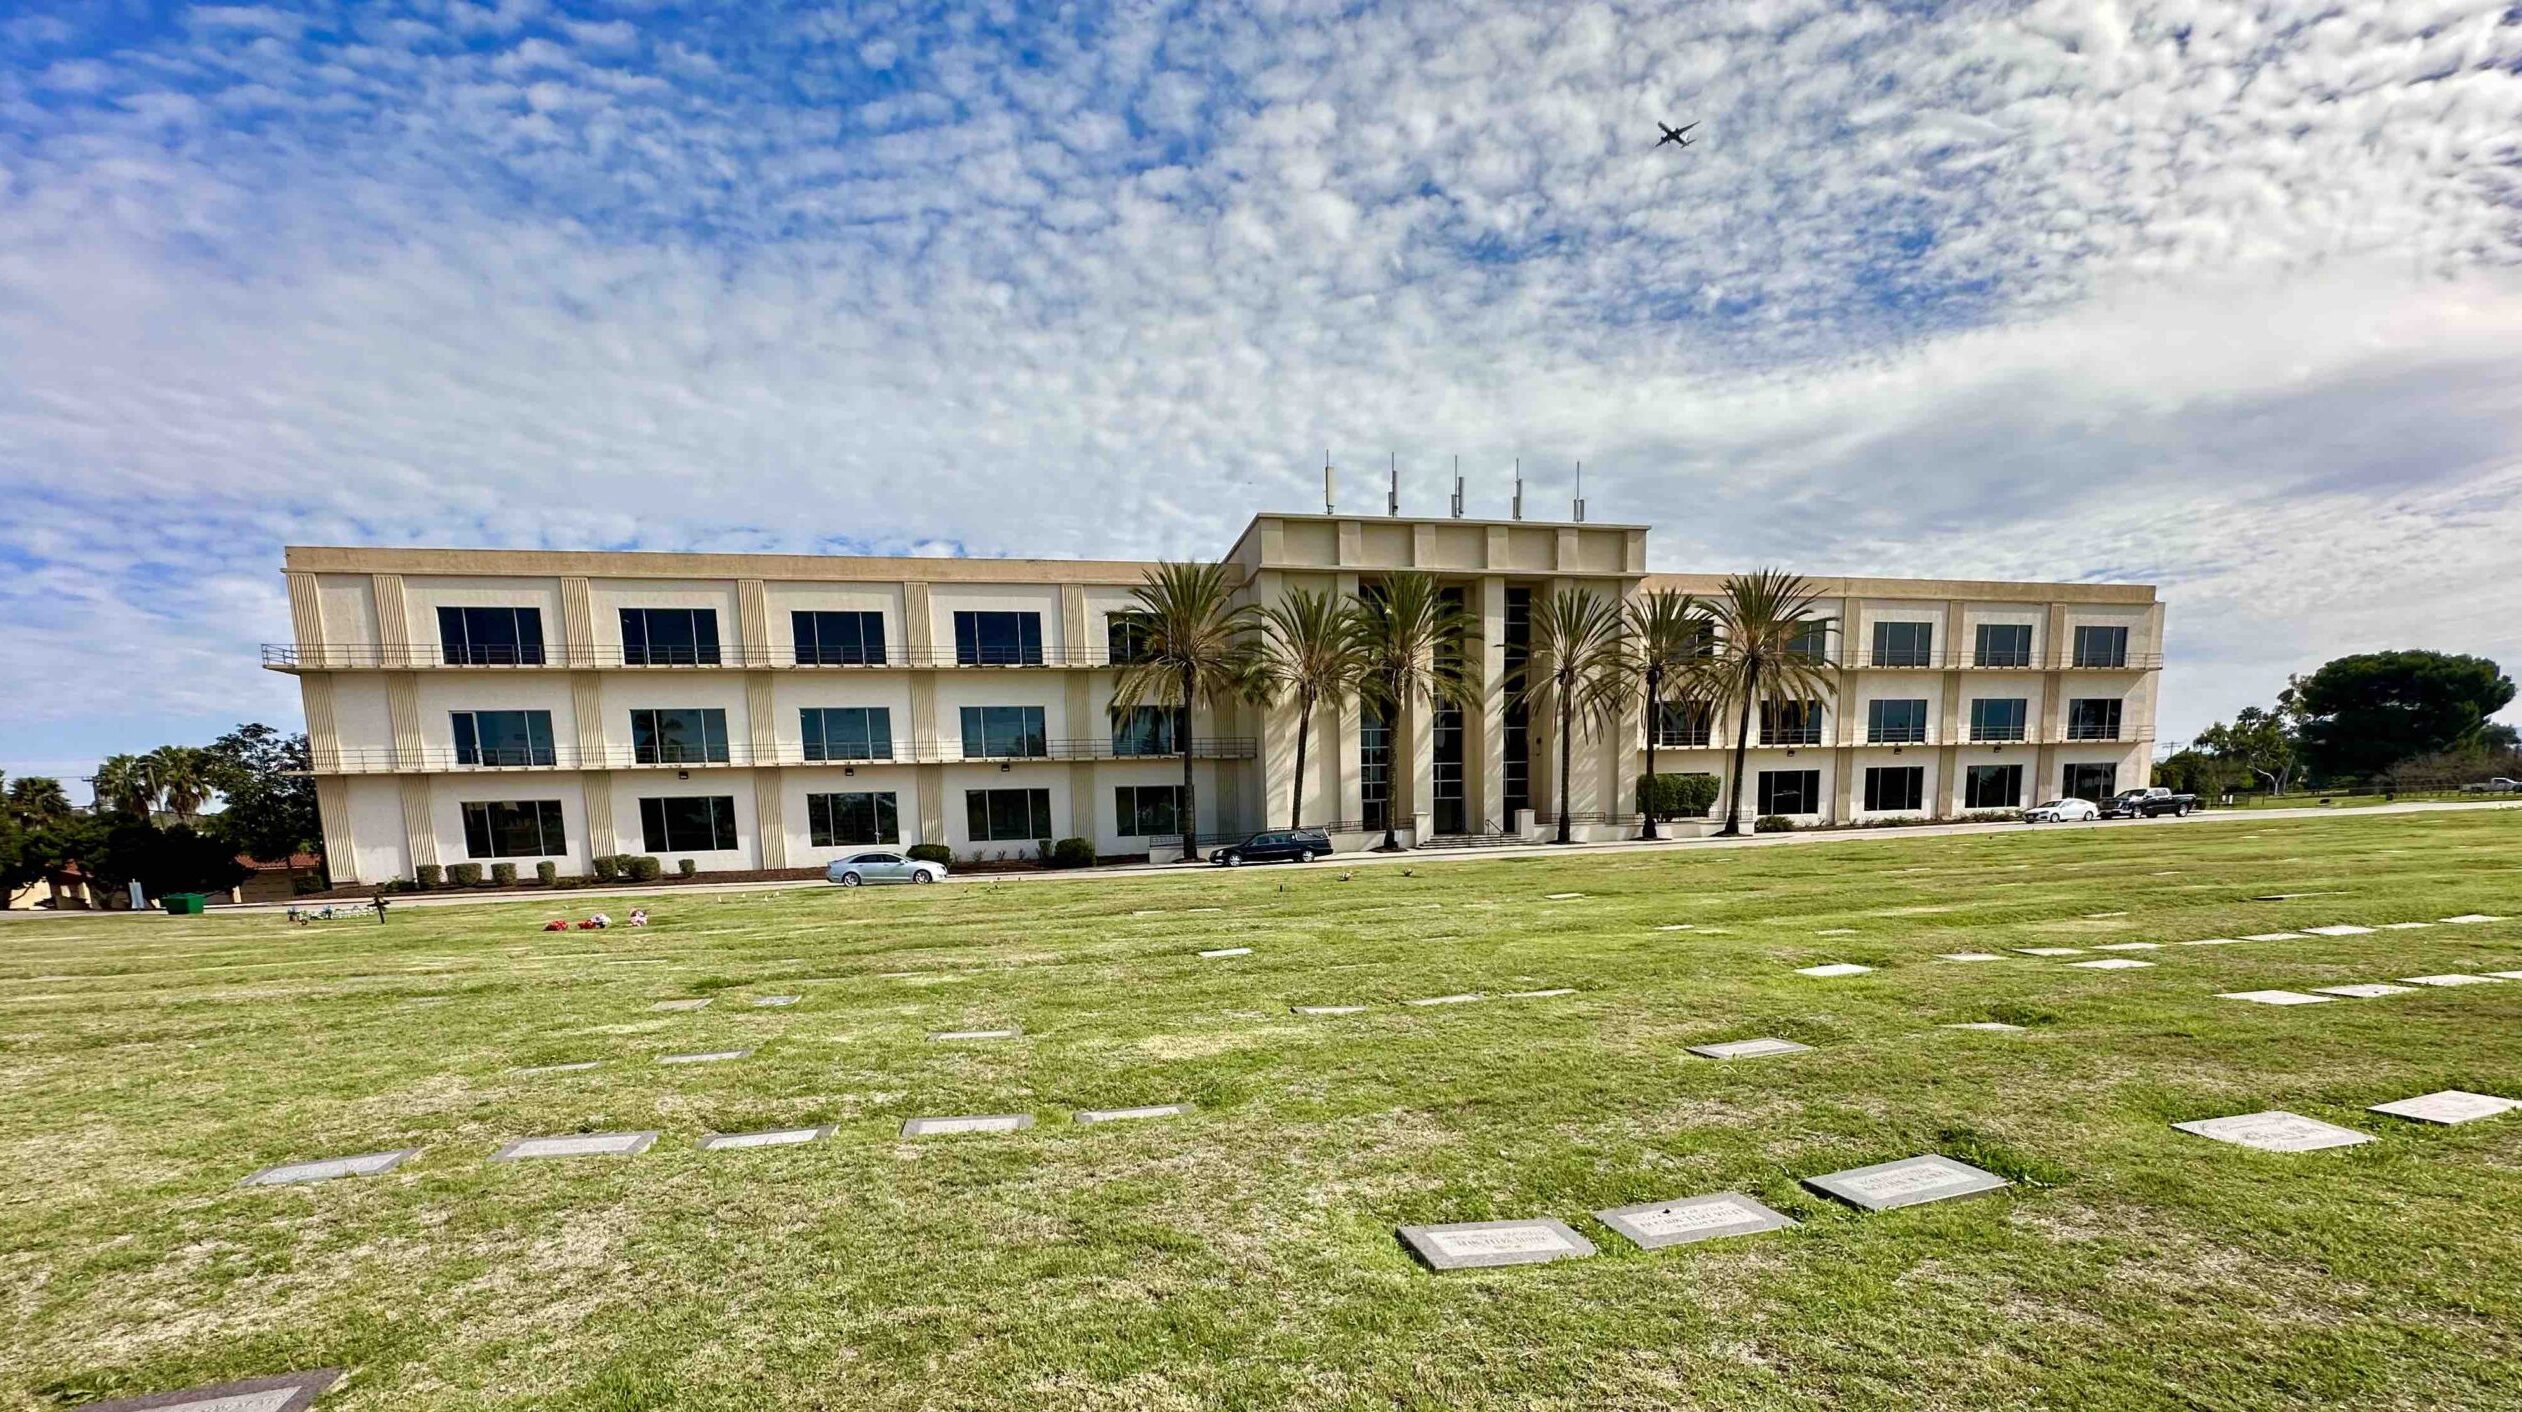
pixel 2448 1106
pixel 2451 979
pixel 1123 1115
pixel 2467 919
pixel 1994 1026
pixel 2274 936
pixel 1652 1225
pixel 766 1002
pixel 1478 1245
pixel 700 1004
pixel 1328 1009
pixel 776 1137
pixel 2111 963
pixel 2102 916
pixel 2338 929
pixel 576 1145
pixel 367 1164
pixel 2131 946
pixel 1550 994
pixel 2503 975
pixel 579 1067
pixel 1750 1048
pixel 1561 896
pixel 1911 1181
pixel 2049 950
pixel 971 1123
pixel 1970 956
pixel 1225 951
pixel 2275 1131
pixel 2363 990
pixel 2273 997
pixel 1837 931
pixel 945 1036
pixel 2405 926
pixel 2215 941
pixel 284 1392
pixel 1835 968
pixel 714 1056
pixel 1464 999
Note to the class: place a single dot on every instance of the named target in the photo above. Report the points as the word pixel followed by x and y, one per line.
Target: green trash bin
pixel 182 904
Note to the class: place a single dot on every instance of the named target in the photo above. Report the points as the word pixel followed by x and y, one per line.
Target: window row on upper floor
pixel 696 735
pixel 687 637
pixel 1688 725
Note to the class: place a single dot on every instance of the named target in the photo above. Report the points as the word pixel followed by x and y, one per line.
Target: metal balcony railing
pixel 1968 660
pixel 335 657
pixel 379 760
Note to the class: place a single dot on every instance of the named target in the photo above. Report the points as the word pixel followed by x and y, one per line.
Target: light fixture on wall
pixel 683 774
pixel 1005 765
pixel 849 769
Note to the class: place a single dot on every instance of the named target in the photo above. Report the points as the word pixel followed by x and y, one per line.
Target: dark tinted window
pixel 847 732
pixel 2004 645
pixel 679 735
pixel 688 823
pixel 503 737
pixel 998 639
pixel 2101 647
pixel 857 816
pixel 1139 810
pixel 1007 815
pixel 1896 787
pixel 2093 718
pixel 491 637
pixel 838 639
pixel 1896 722
pixel 1997 718
pixel 997 732
pixel 1904 644
pixel 1992 787
pixel 1790 792
pixel 521 829
pixel 669 637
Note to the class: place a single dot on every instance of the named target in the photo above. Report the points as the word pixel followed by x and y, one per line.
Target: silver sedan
pixel 862 868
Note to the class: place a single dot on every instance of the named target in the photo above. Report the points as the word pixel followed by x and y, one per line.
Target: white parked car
pixel 2498 785
pixel 2061 811
pixel 868 869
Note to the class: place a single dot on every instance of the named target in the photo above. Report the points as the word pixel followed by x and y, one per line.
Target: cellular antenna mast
pixel 1326 484
pixel 1392 496
pixel 1457 487
pixel 1580 492
pixel 1519 488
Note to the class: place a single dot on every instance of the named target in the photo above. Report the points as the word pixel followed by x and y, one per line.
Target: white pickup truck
pixel 2498 785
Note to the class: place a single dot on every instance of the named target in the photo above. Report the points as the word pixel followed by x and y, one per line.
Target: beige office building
pixel 769 712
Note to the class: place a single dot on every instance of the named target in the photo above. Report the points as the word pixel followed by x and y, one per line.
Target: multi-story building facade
pixel 769 712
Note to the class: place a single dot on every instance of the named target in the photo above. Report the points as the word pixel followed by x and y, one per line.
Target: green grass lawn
pixel 1244 1256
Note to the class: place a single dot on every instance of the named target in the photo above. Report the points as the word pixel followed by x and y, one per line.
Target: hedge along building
pixel 778 711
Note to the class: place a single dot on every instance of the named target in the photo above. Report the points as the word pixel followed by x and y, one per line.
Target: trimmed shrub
pixel 547 872
pixel 427 876
pixel 608 866
pixel 1073 853
pixel 464 875
pixel 1677 796
pixel 1042 850
pixel 687 867
pixel 1774 823
pixel 306 883
pixel 504 874
pixel 642 868
pixel 929 853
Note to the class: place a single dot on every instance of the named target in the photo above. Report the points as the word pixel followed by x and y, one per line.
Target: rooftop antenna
pixel 1580 492
pixel 1519 487
pixel 1326 484
pixel 1392 497
pixel 1457 487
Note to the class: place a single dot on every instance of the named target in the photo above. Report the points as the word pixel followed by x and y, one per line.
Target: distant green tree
pixel 34 798
pixel 1193 648
pixel 2259 742
pixel 178 858
pixel 2194 771
pixel 271 811
pixel 123 786
pixel 2365 713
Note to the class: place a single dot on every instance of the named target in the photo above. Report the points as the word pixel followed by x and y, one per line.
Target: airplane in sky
pixel 1674 134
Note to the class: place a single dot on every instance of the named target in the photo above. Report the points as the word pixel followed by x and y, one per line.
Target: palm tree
pixel 1192 648
pixel 37 798
pixel 1578 671
pixel 1763 618
pixel 180 774
pixel 122 784
pixel 1310 650
pixel 1672 642
pixel 1411 636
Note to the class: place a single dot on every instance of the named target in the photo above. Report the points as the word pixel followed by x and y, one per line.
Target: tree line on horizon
pixel 148 822
pixel 2404 720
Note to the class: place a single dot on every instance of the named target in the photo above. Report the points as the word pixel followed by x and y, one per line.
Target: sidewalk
pixel 568 899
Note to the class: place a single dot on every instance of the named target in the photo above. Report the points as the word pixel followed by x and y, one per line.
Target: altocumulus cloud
pixel 2217 293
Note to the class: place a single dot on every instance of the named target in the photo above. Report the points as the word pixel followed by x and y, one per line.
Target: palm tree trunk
pixel 1567 729
pixel 1742 750
pixel 1190 819
pixel 1646 805
pixel 1392 727
pixel 1304 728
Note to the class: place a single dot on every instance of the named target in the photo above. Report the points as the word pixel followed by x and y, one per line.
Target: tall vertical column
pixel 595 800
pixel 1342 738
pixel 402 711
pixel 761 725
pixel 1074 638
pixel 394 620
pixel 586 719
pixel 306 621
pixel 577 622
pixel 1485 754
pixel 1624 738
pixel 753 622
pixel 341 842
pixel 323 726
pixel 770 817
pixel 931 781
pixel 1946 801
pixel 420 831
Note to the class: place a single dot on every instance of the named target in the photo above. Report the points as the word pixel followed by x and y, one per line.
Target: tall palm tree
pixel 37 798
pixel 1761 618
pixel 1412 636
pixel 180 775
pixel 122 784
pixel 1577 672
pixel 1193 648
pixel 1310 651
pixel 1672 645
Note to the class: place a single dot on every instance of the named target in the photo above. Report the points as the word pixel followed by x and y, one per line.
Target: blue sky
pixel 2221 294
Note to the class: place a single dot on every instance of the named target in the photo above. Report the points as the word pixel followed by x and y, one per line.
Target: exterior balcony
pixel 386 760
pixel 1969 661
